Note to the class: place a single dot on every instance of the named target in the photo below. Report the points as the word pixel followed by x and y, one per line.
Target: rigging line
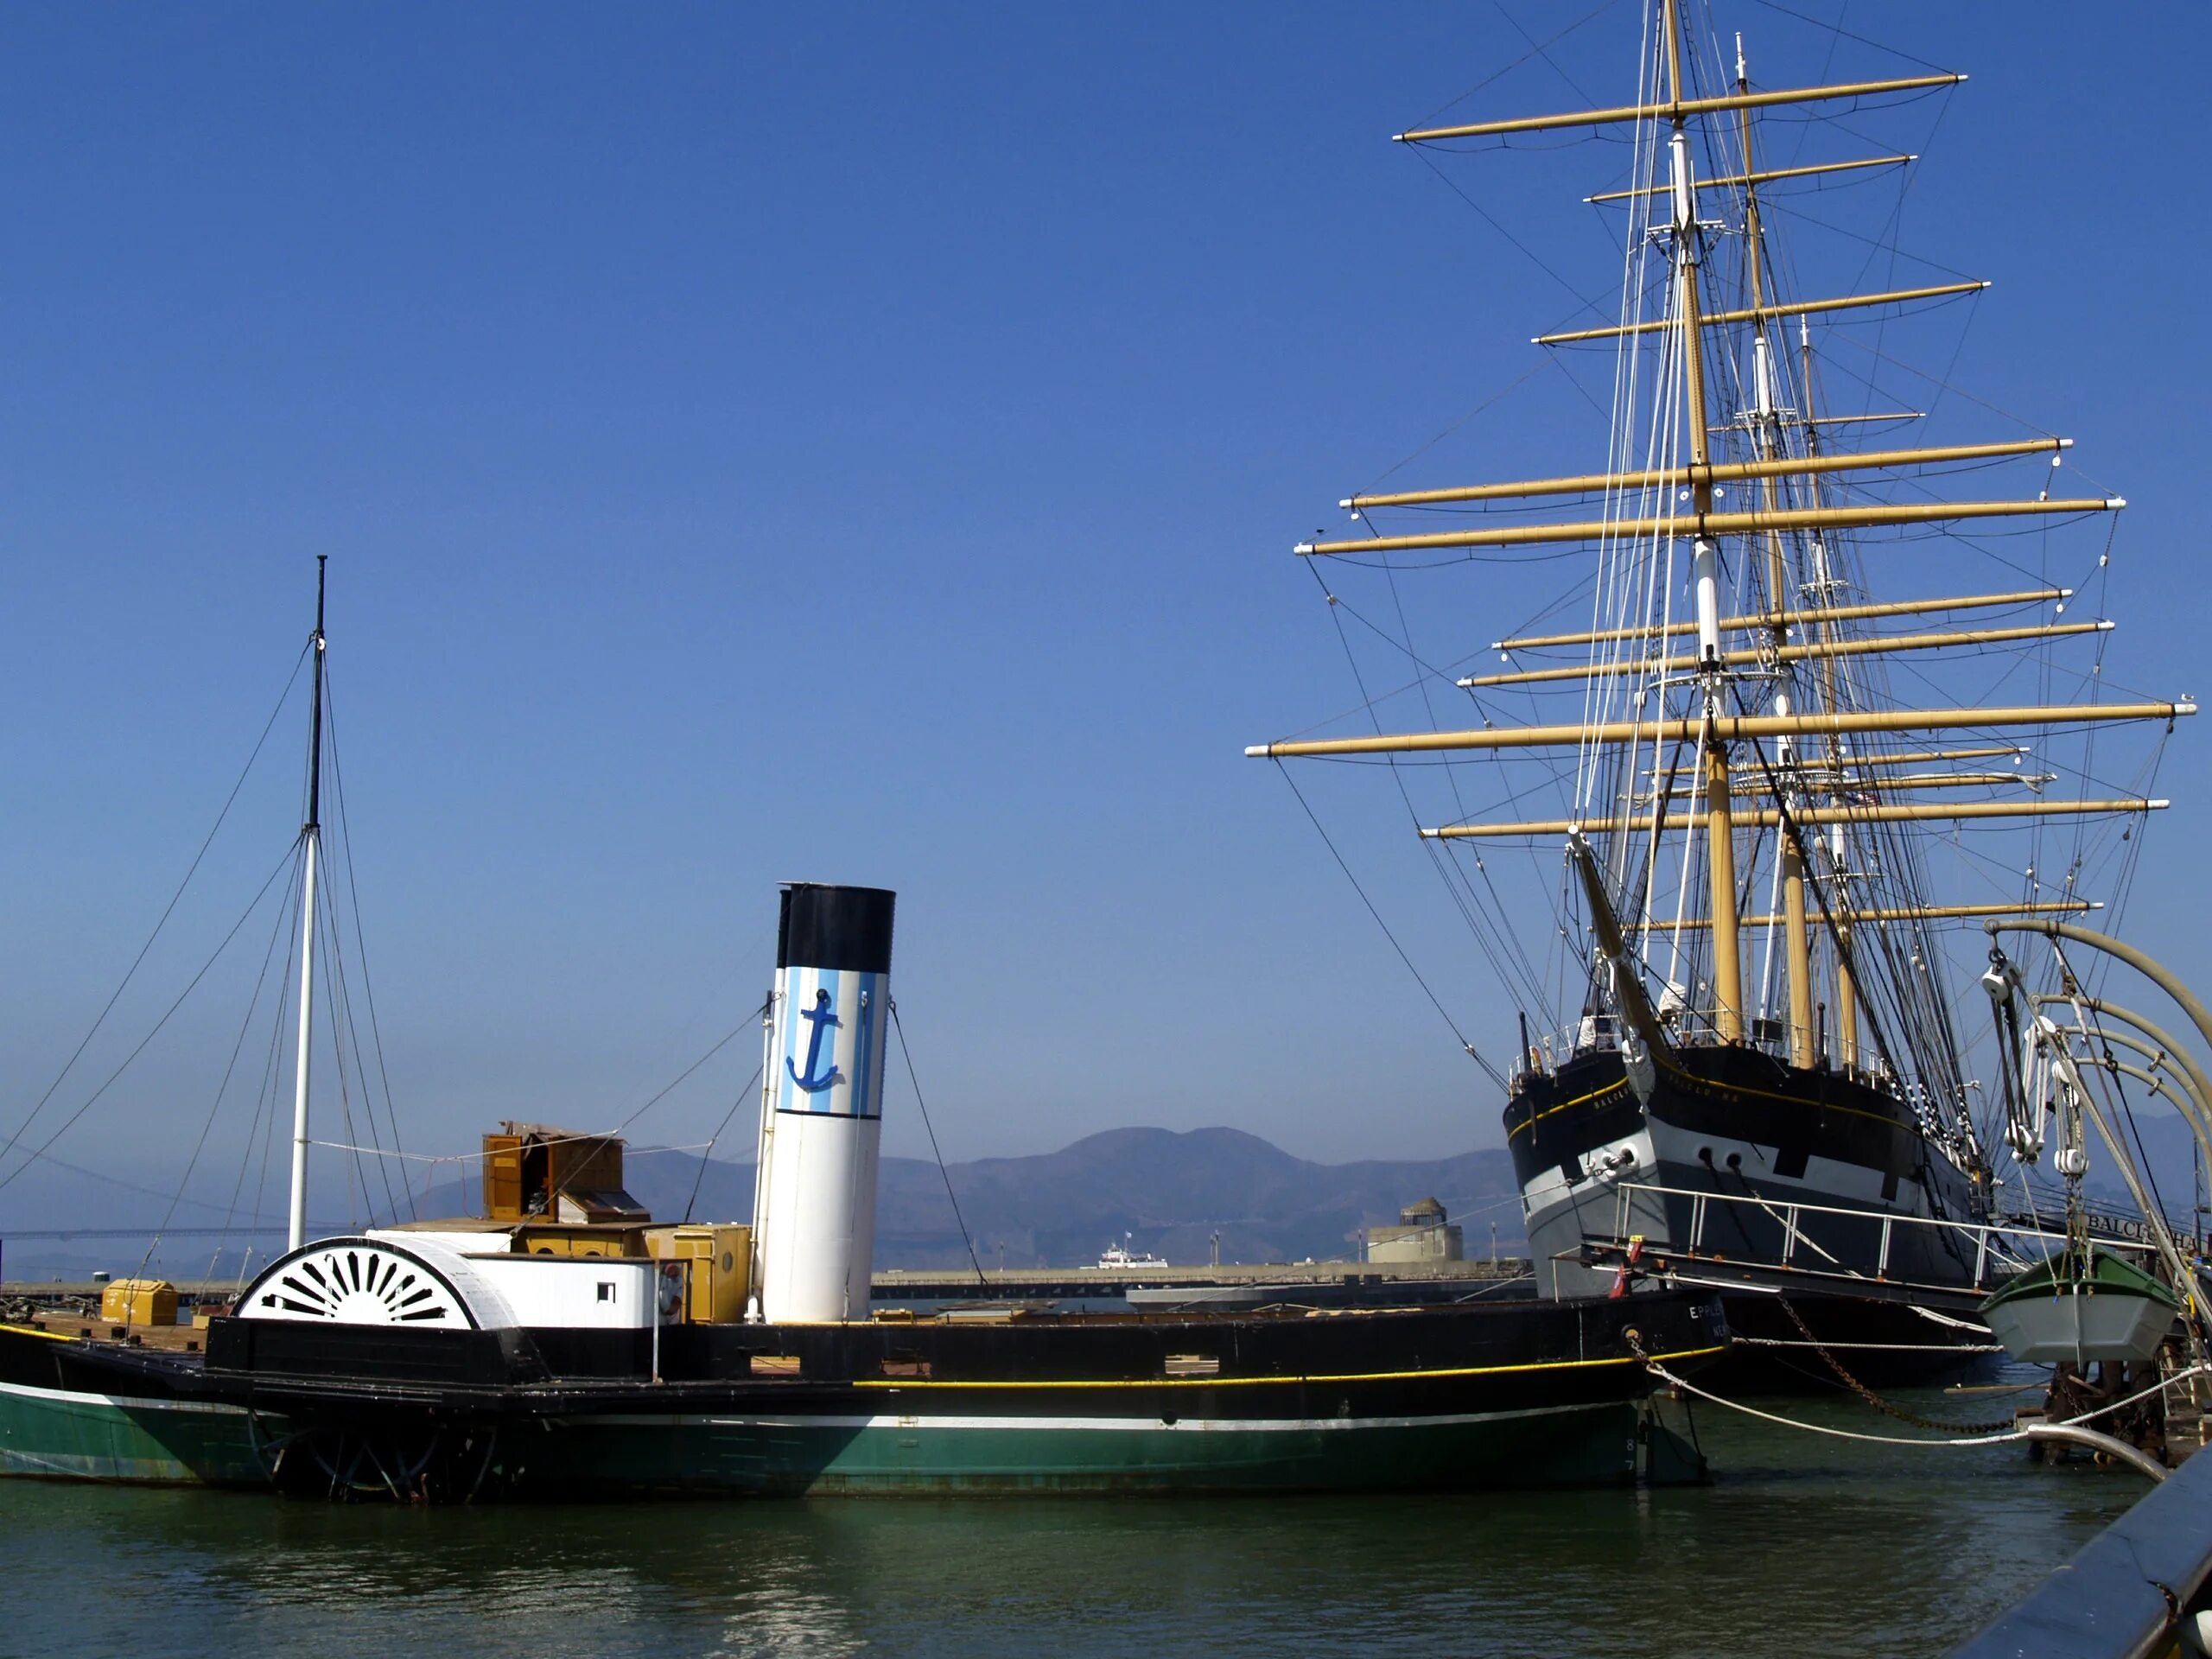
pixel 360 1063
pixel 1558 774
pixel 1839 29
pixel 708 1151
pixel 2134 861
pixel 1589 17
pixel 2108 1062
pixel 276 935
pixel 1472 1052
pixel 1487 402
pixel 264 1101
pixel 1891 228
pixel 1958 350
pixel 1773 204
pixel 1579 591
pixel 1923 374
pixel 360 1208
pixel 129 1187
pixel 1428 670
pixel 1912 176
pixel 1994 1439
pixel 1583 300
pixel 1501 969
pixel 332 979
pixel 167 911
pixel 1537 50
pixel 1787 825
pixel 1516 556
pixel 1559 356
pixel 377 1151
pixel 360 939
pixel 721 1044
pixel 39 1152
pixel 433 1157
pixel 907 1054
pixel 270 1081
pixel 1438 857
pixel 2110 1081
pixel 345 1008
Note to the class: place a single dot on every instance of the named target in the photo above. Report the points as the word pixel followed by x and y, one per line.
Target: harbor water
pixel 1804 1543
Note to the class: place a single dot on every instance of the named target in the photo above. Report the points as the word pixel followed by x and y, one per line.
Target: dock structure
pixel 1061 1284
pixel 2138 1589
pixel 1431 1280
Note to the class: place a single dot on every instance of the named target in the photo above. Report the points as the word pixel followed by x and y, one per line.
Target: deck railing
pixel 2011 1244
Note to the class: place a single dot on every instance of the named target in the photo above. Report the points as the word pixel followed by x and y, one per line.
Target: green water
pixel 1804 1545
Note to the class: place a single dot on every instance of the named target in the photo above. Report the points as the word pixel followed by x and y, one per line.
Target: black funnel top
pixel 836 928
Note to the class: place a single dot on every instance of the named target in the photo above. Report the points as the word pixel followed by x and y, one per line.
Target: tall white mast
pixel 311 839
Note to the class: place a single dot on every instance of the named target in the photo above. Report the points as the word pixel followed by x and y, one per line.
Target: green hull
pixel 75 1436
pixel 1583 1446
pixel 95 1437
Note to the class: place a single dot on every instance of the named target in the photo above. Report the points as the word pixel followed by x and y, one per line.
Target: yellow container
pixel 139 1301
pixel 717 1265
pixel 580 1241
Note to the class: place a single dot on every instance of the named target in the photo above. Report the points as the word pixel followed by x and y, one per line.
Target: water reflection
pixel 1862 1550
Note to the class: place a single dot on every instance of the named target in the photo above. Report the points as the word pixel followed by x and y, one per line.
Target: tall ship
pixel 1798 708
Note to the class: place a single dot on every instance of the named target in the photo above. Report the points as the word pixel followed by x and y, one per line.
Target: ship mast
pixel 1847 989
pixel 310 844
pixel 1802 736
pixel 1798 969
pixel 1705 568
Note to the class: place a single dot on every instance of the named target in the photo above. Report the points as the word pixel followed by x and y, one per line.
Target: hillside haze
pixel 1165 1191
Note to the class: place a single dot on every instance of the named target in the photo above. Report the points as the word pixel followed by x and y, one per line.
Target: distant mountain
pixel 1165 1191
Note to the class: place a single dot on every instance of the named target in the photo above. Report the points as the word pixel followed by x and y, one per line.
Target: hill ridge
pixel 1165 1191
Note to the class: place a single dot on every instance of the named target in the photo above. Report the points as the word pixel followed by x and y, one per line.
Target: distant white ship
pixel 1116 1256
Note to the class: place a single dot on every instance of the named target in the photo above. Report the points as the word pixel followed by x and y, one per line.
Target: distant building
pixel 1423 1234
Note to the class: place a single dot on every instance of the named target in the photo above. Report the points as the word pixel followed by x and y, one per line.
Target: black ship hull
pixel 1841 1238
pixel 1519 1395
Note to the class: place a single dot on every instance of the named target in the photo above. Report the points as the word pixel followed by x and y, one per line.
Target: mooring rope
pixel 1868 1394
pixel 1667 1376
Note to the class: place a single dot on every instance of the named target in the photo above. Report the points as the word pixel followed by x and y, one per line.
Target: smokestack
pixel 814 1206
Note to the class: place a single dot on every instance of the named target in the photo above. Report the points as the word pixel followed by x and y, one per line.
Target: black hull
pixel 1441 1398
pixel 1882 1344
pixel 1404 1362
pixel 1805 1182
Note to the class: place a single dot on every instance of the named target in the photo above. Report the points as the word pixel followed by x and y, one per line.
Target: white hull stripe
pixel 1120 1425
pixel 120 1402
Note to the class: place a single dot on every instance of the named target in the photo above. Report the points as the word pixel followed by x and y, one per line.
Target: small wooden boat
pixel 2082 1309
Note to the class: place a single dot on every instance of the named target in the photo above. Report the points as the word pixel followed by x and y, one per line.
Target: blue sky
pixel 865 444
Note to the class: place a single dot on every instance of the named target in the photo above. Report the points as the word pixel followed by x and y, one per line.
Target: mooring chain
pixel 1876 1400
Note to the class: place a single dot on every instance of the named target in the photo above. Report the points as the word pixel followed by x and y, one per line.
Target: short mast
pixel 311 842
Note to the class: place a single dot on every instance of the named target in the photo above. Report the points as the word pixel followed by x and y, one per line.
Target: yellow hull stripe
pixel 1695 1081
pixel 1284 1382
pixel 31 1331
pixel 1569 1106
pixel 1213 1382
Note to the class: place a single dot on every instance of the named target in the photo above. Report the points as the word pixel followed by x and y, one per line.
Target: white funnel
pixel 821 1105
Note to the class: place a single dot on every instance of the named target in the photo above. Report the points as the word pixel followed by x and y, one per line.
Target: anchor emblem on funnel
pixel 821 1018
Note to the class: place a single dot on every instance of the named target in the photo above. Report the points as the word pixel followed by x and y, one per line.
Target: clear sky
pixel 865 443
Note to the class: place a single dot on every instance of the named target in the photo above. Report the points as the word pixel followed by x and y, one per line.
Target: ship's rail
pixel 2008 1246
pixel 1599 1033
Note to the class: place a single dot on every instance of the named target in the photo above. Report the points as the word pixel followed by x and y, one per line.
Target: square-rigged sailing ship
pixel 1786 760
